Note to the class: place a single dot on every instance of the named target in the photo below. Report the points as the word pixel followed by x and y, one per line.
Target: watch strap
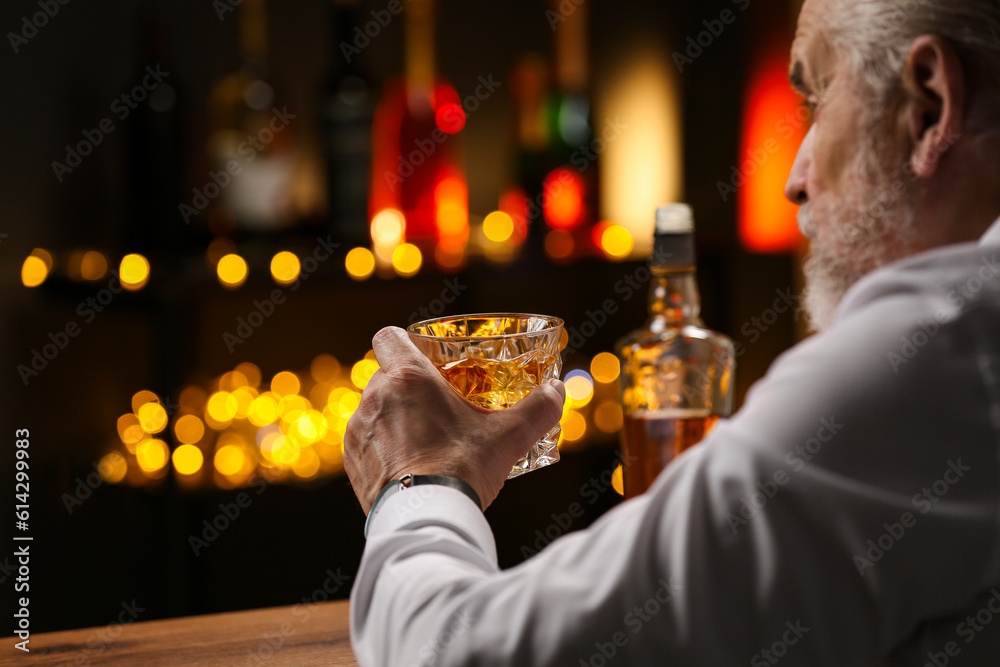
pixel 407 481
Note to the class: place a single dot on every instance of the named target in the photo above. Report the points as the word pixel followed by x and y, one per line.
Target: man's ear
pixel 934 101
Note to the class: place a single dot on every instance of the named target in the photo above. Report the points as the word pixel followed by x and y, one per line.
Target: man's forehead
pixel 811 54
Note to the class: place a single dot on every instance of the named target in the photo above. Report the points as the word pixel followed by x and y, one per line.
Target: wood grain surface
pixel 299 635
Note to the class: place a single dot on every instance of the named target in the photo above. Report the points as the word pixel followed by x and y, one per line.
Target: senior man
pixel 848 514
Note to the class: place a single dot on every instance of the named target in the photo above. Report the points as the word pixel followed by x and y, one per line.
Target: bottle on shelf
pixel 676 375
pixel 570 185
pixel 416 165
pixel 251 144
pixel 347 109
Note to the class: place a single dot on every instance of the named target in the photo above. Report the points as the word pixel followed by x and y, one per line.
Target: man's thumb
pixel 534 415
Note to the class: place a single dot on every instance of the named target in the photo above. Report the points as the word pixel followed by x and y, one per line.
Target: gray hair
pixel 876 35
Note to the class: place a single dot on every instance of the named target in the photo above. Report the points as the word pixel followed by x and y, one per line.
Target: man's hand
pixel 411 420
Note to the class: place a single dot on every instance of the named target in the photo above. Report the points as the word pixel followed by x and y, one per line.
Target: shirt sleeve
pixel 852 499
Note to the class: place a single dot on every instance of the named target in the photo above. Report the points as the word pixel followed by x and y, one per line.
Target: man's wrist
pixel 408 481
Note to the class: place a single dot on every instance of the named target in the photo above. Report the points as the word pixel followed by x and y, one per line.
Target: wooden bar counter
pixel 299 635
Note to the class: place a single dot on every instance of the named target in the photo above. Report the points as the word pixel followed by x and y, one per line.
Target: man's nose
pixel 796 190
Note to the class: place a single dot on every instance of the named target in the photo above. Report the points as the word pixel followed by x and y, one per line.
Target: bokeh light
pixel 406 259
pixel 579 388
pixel 33 271
pixel 229 460
pixel 608 416
pixel 187 459
pixel 93 265
pixel 617 242
pixel 605 367
pixel 152 455
pixel 498 226
pixel 232 271
pixel 559 244
pixel 130 430
pixel 360 263
pixel 285 383
pixel 362 372
pixel 112 467
pixel 152 417
pixel 618 480
pixel 573 426
pixel 285 267
pixel 134 271
pixel 388 227
pixel 189 429
pixel 221 407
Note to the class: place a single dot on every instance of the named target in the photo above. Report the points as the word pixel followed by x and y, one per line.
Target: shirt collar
pixel 992 235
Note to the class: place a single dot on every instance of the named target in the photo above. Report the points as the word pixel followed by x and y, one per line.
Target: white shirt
pixel 847 515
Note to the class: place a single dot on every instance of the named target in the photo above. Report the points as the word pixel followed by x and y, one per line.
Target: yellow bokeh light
pixel 244 398
pixel 152 417
pixel 617 242
pixel 217 249
pixel 348 403
pixel 112 467
pixel 291 407
pixel 33 271
pixel 263 410
pixel 579 390
pixel 605 367
pixel 140 398
pixel 250 372
pixel 307 465
pixel 573 426
pixel 221 407
pixel 152 455
pixel 229 460
pixel 232 381
pixel 498 226
pixel 324 368
pixel 406 259
pixel 362 372
pixel 130 430
pixel 388 227
pixel 189 429
pixel 232 270
pixel 608 416
pixel 279 448
pixel 285 383
pixel 93 265
pixel 134 271
pixel 285 267
pixel 618 480
pixel 187 459
pixel 360 263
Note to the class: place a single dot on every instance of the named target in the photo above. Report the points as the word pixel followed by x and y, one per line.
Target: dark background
pixel 122 543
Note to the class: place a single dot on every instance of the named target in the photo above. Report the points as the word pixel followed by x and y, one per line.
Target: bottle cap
pixel 674 219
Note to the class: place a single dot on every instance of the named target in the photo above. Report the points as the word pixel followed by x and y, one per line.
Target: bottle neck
pixel 674 300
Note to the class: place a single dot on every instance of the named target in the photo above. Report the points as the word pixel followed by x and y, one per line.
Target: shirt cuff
pixel 434 505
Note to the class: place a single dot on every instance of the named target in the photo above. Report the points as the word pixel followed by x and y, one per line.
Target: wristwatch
pixel 406 481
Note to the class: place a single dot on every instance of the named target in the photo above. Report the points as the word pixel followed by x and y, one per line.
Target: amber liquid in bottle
pixel 676 374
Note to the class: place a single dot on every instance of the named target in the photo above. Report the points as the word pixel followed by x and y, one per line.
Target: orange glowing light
pixel 450 117
pixel 774 125
pixel 451 203
pixel 559 244
pixel 514 202
pixel 563 199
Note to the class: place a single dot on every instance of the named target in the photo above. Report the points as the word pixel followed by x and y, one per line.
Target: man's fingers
pixel 393 347
pixel 533 416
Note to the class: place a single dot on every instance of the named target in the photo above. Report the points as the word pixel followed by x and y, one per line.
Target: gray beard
pixel 869 228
